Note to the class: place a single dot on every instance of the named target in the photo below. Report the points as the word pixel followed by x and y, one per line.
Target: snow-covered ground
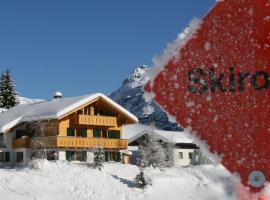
pixel 64 181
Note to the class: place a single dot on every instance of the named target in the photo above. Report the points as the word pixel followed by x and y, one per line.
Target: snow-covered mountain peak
pixel 137 77
pixel 130 96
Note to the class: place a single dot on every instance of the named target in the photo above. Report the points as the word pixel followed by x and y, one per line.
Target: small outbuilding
pixel 184 151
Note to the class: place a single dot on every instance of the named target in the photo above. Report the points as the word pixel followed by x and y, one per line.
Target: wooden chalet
pixel 64 129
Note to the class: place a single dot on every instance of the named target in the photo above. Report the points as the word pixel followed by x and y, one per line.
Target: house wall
pixel 62 126
pixel 90 157
pixel 61 155
pixel 7 142
pixel 177 161
pixel 26 156
pixel 59 127
pixel 185 160
pixel 134 155
pixel 98 108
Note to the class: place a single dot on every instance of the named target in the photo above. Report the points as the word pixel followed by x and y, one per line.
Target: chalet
pixel 64 129
pixel 184 151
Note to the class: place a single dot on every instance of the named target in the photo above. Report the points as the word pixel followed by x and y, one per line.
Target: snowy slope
pixel 130 96
pixel 24 100
pixel 67 181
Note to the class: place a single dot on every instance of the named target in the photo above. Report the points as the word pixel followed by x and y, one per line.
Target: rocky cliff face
pixel 130 96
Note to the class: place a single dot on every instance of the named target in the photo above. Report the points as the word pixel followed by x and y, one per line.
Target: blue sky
pixel 86 46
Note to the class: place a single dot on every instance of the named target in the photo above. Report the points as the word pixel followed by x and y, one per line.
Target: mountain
pixel 130 96
pixel 24 100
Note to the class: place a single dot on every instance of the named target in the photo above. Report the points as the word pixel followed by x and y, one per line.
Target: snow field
pixel 66 181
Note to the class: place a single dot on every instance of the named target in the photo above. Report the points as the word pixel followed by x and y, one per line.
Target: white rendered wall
pixel 7 141
pixel 26 156
pixel 90 157
pixel 185 160
pixel 61 155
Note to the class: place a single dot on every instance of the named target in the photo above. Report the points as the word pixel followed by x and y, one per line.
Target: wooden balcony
pixel 21 143
pixel 70 142
pixel 95 120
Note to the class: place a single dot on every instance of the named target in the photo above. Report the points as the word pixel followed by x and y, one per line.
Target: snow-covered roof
pixel 133 132
pixel 52 109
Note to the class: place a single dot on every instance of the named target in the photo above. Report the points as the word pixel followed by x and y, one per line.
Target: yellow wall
pixel 89 132
pixel 63 125
pixel 92 108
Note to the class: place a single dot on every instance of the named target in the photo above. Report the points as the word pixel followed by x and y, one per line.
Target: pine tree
pixel 152 152
pixel 143 152
pixel 99 158
pixel 141 180
pixel 8 94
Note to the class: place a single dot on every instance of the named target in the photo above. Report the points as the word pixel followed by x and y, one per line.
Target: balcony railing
pixel 95 120
pixel 70 142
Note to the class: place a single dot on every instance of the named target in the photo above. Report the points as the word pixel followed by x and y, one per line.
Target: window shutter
pixel 84 156
pixel 106 156
pixel 7 157
pixel 84 132
pixel 114 134
pixel 118 157
pixel 69 155
pixel 70 132
pixel 96 133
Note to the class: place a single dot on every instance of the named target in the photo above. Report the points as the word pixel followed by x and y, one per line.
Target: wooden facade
pixel 97 124
pixel 70 142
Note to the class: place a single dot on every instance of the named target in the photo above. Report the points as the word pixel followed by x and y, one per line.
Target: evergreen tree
pixel 8 94
pixel 143 152
pixel 152 152
pixel 141 180
pixel 99 158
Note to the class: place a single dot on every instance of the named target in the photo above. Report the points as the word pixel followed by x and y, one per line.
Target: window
pixel 4 157
pixel 118 157
pixel 80 156
pixel 83 155
pixel 1 137
pixel 190 155
pixel 70 132
pixel 2 140
pixel 19 157
pixel 105 134
pixel 114 134
pixel 76 155
pixel 180 155
pixel 96 133
pixel 106 156
pixel 82 132
pixel 51 155
pixel 7 157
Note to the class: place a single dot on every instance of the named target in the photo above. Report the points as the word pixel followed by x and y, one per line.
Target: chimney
pixel 58 95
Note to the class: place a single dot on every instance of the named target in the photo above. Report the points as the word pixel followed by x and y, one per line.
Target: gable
pixel 103 107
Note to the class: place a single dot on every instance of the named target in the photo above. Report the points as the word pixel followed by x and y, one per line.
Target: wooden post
pixel 92 111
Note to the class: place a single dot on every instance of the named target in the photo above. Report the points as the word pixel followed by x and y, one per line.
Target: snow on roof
pixel 133 132
pixel 52 109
